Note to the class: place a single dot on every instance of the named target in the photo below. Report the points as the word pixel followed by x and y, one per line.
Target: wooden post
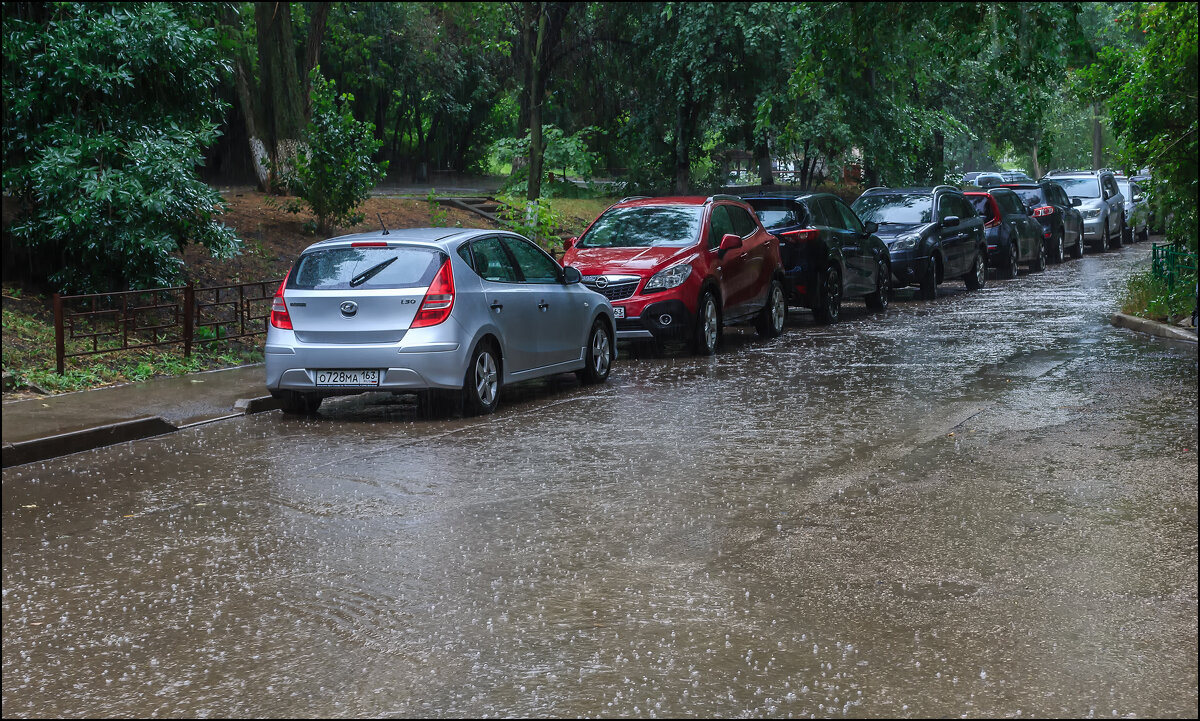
pixel 60 345
pixel 189 309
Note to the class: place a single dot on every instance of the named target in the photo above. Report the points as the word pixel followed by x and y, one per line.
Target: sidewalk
pixel 40 428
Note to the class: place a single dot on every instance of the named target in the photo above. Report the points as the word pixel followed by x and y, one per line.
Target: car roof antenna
pixel 381 225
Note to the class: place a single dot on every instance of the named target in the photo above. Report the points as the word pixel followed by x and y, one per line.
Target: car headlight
pixel 905 242
pixel 672 277
pixel 1089 214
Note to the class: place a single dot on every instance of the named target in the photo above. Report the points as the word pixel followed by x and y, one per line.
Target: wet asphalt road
pixel 980 506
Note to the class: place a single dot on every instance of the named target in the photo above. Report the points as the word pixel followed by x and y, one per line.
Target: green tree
pixel 1154 111
pixel 335 173
pixel 101 146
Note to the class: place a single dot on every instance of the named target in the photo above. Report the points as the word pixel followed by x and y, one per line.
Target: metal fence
pixel 127 320
pixel 1173 264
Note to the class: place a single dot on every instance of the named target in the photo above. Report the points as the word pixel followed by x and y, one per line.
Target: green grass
pixel 1147 296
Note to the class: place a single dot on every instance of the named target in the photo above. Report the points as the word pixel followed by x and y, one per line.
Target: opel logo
pixel 602 282
pixel 349 308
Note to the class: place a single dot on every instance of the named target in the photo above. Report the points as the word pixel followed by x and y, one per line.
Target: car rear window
pixel 982 205
pixel 1031 197
pixel 365 268
pixel 777 213
pixel 906 208
pixel 644 226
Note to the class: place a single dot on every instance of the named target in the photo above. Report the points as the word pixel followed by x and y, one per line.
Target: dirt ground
pixel 274 237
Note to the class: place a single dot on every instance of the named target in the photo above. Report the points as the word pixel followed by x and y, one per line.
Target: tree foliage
pixel 101 146
pixel 335 172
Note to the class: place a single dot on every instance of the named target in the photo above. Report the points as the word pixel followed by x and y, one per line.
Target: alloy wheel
pixel 486 378
pixel 601 352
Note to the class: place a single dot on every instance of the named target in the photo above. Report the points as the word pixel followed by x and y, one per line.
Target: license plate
pixel 348 377
pixel 618 311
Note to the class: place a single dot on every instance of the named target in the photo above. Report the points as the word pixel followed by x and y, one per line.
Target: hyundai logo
pixel 349 308
pixel 602 282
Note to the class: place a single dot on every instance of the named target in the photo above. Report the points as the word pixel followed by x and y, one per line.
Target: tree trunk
pixel 281 88
pixel 1097 137
pixel 312 50
pixel 763 156
pixel 939 157
pixel 1037 166
pixel 683 149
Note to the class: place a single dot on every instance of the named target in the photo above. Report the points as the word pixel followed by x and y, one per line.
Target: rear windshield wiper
pixel 371 272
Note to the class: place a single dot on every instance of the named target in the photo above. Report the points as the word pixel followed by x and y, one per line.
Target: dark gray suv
pixel 1101 204
pixel 932 234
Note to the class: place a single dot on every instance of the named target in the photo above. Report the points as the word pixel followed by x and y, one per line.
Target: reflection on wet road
pixel 983 505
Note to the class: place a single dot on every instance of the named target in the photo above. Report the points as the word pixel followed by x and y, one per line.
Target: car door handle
pixel 496 305
pixel 744 255
pixel 543 305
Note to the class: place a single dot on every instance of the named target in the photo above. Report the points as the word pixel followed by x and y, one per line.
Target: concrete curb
pixel 63 444
pixel 1153 327
pixel 40 449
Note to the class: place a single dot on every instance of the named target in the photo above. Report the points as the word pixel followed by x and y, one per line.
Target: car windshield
pixel 365 267
pixel 644 226
pixel 895 208
pixel 1080 187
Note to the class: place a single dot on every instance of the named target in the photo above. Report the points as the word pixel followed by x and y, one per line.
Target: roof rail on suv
pixel 634 197
pixel 877 187
pixel 947 187
pixel 723 196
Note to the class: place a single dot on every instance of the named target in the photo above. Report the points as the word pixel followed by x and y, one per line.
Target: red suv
pixel 680 268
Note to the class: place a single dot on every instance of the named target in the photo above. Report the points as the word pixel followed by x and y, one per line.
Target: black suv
pixel 828 252
pixel 933 235
pixel 1062 225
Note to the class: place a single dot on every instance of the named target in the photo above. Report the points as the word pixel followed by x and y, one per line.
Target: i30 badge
pixel 349 308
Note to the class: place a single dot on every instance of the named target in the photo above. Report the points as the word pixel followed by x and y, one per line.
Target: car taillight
pixel 799 236
pixel 439 299
pixel 1043 211
pixel 279 311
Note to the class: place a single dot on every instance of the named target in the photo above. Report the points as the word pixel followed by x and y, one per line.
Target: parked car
pixel 1012 236
pixel 1061 223
pixel 984 180
pixel 1015 176
pixel 828 253
pixel 682 267
pixel 932 234
pixel 452 314
pixel 1101 204
pixel 969 178
pixel 1137 210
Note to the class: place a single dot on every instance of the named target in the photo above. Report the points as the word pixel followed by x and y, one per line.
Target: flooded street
pixel 982 506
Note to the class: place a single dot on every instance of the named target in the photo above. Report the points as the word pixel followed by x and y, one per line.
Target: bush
pixel 1148 296
pixel 101 146
pixel 335 173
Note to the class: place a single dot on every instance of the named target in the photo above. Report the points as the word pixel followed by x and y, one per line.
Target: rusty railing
pixel 132 319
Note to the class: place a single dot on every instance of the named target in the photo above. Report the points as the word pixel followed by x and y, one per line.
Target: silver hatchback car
pixel 449 313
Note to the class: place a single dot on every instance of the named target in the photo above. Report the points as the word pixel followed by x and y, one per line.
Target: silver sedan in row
pixel 450 313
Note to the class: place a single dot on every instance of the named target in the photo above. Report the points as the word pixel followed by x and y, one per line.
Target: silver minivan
pixel 453 314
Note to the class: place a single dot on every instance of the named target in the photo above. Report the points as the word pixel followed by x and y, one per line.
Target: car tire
pixel 769 323
pixel 296 403
pixel 1119 239
pixel 1104 240
pixel 927 290
pixel 829 304
pixel 1126 233
pixel 883 287
pixel 1009 268
pixel 481 386
pixel 598 355
pixel 708 325
pixel 1038 264
pixel 977 278
pixel 1145 234
pixel 1077 249
pixel 1059 250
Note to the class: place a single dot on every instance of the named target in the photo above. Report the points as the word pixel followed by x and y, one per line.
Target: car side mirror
pixel 570 243
pixel 871 227
pixel 1138 198
pixel 1076 202
pixel 728 242
pixel 950 221
pixel 571 275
